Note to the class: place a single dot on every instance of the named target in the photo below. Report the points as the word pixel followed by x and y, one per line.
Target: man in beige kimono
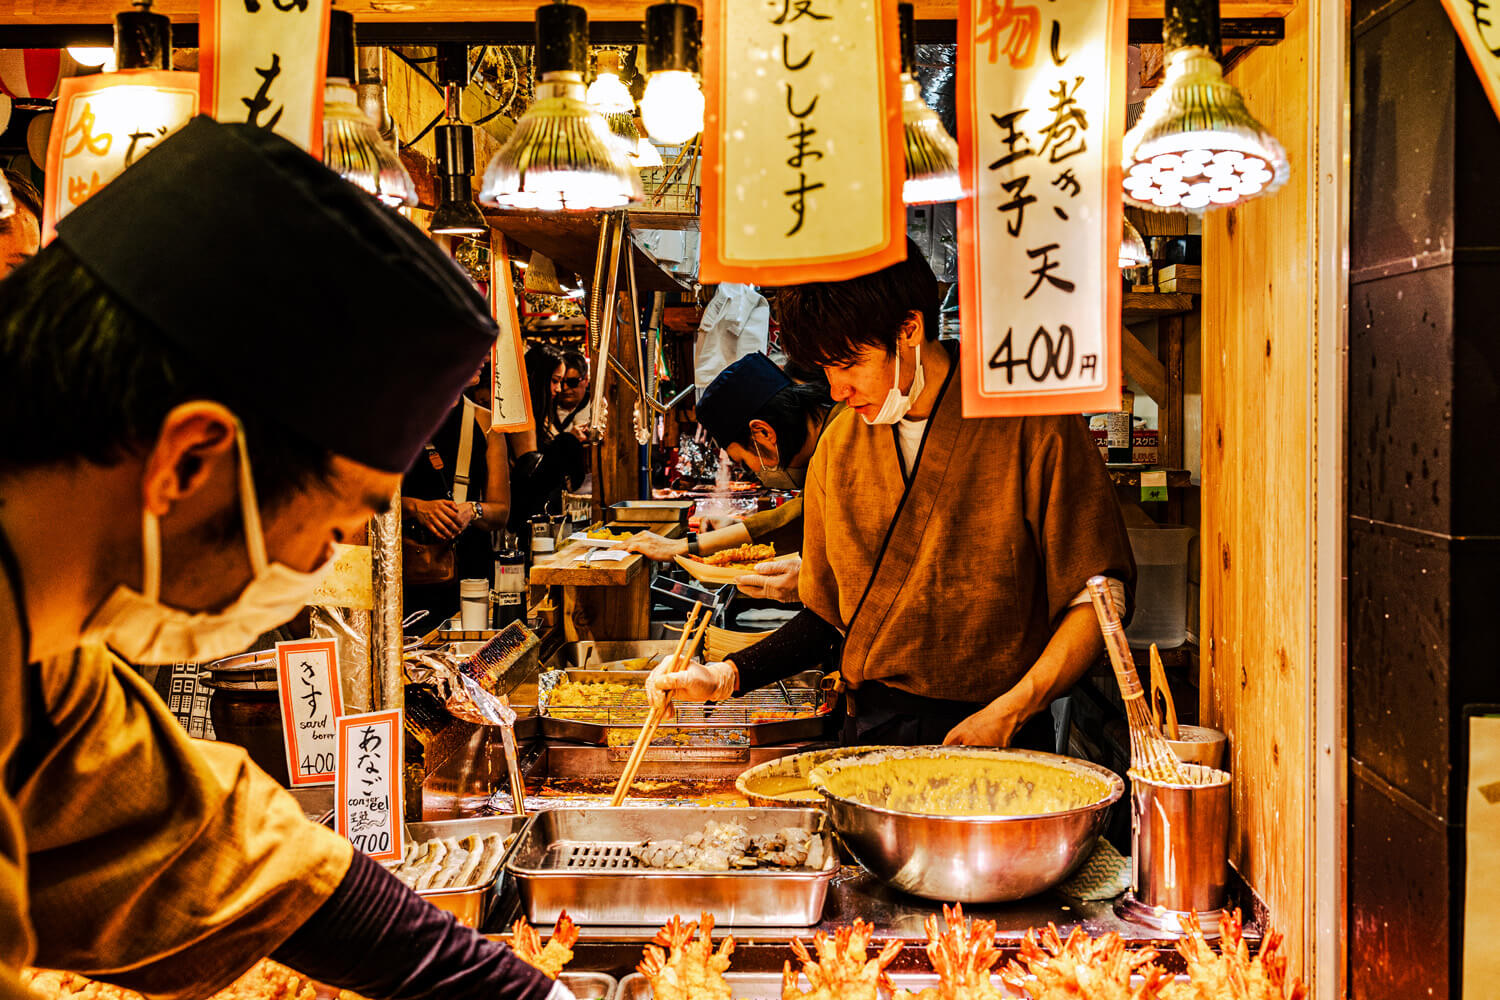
pixel 206 382
pixel 944 559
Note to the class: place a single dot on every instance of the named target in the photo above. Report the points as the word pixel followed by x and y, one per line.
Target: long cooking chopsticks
pixel 648 731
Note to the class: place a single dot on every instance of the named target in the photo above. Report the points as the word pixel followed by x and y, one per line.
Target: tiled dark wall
pixel 1423 486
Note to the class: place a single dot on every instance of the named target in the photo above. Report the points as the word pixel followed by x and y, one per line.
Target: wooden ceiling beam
pixel 86 12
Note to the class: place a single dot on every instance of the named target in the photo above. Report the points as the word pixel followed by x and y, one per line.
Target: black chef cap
pixel 314 303
pixel 733 399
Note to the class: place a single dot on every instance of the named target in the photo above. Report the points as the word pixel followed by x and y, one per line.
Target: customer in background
pixel 21 234
pixel 546 463
pixel 453 496
pixel 570 407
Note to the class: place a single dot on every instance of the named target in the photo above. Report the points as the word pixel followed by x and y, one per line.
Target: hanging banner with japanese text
pixel 1040 117
pixel 307 675
pixel 263 62
pixel 803 140
pixel 104 123
pixel 510 400
pixel 1478 25
pixel 367 804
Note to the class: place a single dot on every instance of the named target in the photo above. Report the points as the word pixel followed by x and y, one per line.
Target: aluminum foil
pixel 461 694
pixel 386 638
pixel 350 631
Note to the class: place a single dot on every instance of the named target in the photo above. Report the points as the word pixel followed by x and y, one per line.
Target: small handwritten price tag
pixel 368 794
pixel 307 675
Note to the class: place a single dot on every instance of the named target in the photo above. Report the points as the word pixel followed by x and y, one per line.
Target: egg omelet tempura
pixel 959 784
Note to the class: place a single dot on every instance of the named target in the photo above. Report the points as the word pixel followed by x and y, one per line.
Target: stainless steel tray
pixel 767 985
pixel 587 768
pixel 590 985
pixel 725 724
pixel 471 906
pixel 579 860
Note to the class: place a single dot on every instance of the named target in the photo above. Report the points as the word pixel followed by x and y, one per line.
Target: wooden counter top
pixel 562 567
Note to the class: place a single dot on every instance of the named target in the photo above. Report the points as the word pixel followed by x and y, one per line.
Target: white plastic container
pixel 474 604
pixel 1161 557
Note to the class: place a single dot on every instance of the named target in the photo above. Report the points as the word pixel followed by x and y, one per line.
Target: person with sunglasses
pixel 570 397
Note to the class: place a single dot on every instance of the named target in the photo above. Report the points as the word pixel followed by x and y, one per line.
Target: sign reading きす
pixel 307 675
pixel 104 124
pixel 262 62
pixel 803 140
pixel 368 807
pixel 1041 116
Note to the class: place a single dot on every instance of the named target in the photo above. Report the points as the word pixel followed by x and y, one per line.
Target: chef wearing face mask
pixel 945 556
pixel 195 407
pixel 771 425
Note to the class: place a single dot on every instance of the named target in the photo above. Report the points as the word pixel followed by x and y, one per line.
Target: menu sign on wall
pixel 263 63
pixel 307 676
pixel 104 123
pixel 510 408
pixel 802 139
pixel 367 806
pixel 1041 117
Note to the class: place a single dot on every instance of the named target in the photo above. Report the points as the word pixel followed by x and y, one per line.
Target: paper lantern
pixel 30 74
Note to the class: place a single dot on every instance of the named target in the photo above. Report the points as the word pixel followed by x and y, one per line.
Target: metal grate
pixel 596 857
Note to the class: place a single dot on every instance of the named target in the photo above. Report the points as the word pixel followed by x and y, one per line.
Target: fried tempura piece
pixel 1230 973
pixel 1082 968
pixel 963 956
pixel 559 951
pixel 843 970
pixel 266 981
pixel 689 969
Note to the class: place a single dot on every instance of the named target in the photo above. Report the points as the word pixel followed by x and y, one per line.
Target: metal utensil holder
pixel 1180 851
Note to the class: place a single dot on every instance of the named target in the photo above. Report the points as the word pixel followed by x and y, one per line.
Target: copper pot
pixel 246 708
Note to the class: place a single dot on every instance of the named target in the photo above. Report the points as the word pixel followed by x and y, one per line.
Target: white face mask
pixel 896 405
pixel 144 631
pixel 773 477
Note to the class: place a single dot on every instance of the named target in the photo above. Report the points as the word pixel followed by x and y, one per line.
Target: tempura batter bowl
pixel 971 859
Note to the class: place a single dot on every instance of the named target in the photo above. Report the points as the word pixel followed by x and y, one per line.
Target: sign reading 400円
pixel 1040 123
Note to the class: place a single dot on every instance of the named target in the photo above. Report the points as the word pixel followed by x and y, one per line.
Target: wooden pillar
pixel 616 459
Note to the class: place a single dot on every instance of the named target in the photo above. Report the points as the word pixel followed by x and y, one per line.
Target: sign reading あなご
pixel 1040 117
pixel 307 676
pixel 367 806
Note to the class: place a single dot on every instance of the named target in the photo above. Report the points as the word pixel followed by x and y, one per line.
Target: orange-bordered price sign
pixel 368 809
pixel 804 159
pixel 510 406
pixel 1040 116
pixel 104 123
pixel 307 675
pixel 263 62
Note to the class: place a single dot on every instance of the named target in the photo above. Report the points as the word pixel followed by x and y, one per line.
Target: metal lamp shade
pixel 560 157
pixel 353 149
pixel 931 153
pixel 1132 248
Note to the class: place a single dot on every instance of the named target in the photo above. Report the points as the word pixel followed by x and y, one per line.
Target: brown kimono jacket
pixel 1005 520
pixel 128 851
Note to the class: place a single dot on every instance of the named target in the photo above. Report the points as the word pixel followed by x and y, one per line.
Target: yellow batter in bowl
pixel 958 781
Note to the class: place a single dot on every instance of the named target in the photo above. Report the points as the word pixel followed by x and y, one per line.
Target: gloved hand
pixel 695 681
pixel 560 992
pixel 775 579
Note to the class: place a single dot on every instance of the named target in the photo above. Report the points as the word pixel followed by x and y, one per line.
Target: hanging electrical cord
pixel 420 135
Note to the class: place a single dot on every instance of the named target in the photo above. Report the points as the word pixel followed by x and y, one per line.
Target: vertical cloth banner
pixel 104 123
pixel 1040 117
pixel 803 140
pixel 1478 25
pixel 263 62
pixel 510 397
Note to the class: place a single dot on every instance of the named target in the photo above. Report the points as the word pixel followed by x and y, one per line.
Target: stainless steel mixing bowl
pixel 972 859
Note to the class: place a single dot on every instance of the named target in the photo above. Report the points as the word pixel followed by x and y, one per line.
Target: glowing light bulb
pixel 672 108
pixel 93 55
pixel 608 95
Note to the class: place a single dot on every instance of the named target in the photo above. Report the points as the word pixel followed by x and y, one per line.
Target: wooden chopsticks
pixel 648 731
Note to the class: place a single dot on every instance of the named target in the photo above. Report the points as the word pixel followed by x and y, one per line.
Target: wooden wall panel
pixel 1257 608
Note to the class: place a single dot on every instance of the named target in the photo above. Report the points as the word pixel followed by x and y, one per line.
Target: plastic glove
pixel 775 579
pixel 560 992
pixel 695 681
